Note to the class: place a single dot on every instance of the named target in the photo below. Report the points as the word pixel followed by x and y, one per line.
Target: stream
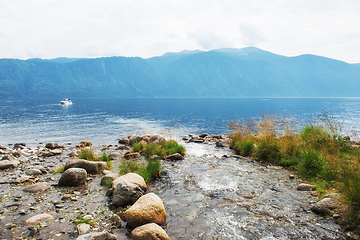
pixel 214 195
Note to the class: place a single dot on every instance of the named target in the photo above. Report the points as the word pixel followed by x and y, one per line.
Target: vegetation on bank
pixel 320 153
pixel 154 152
pixel 88 153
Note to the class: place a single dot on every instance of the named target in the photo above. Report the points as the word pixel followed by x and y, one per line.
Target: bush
pixel 267 149
pixel 166 148
pixel 150 171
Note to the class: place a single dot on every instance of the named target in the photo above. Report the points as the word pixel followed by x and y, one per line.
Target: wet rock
pixel 203 135
pixel 97 236
pixel 115 155
pixel 8 157
pixel 306 187
pixel 132 155
pixel 33 172
pixel 19 145
pixel 134 139
pixel 84 144
pixel 224 143
pixel 126 193
pixel 83 228
pixel 176 156
pixel 147 209
pixel 124 141
pixel 6 164
pixel 38 219
pixel 89 166
pixel 108 177
pixel 133 178
pixel 325 206
pixel 3 148
pixel 73 177
pixel 23 159
pixel 37 187
pixel 51 145
pixel 149 231
pixel 116 220
pixel 72 154
pixel 123 147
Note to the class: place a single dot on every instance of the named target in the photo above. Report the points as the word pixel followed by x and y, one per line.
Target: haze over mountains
pixel 247 72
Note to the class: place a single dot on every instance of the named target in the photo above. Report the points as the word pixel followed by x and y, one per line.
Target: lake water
pixel 104 120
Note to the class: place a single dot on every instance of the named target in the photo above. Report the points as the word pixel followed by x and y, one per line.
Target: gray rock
pixel 306 187
pixel 8 157
pixel 51 145
pixel 325 206
pixel 115 155
pixel 19 145
pixel 126 193
pixel 83 228
pixel 33 172
pixel 124 141
pixel 203 135
pixel 224 143
pixel 37 187
pixel 97 236
pixel 116 220
pixel 176 156
pixel 5 164
pixel 89 166
pixel 38 219
pixel 73 177
pixel 132 155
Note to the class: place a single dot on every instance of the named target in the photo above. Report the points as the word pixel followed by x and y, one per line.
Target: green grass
pixel 166 148
pixel 319 152
pixel 80 219
pixel 149 171
pixel 88 153
pixel 59 169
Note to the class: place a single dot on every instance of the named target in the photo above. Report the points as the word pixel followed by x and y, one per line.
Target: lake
pixel 104 120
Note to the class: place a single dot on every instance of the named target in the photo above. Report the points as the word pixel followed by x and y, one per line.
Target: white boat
pixel 66 101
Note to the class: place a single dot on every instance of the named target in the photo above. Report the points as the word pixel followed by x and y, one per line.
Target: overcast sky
pixel 94 28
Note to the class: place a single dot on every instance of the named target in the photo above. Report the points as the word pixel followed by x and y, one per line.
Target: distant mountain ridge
pixel 246 72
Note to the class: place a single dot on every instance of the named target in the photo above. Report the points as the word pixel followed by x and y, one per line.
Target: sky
pixel 144 28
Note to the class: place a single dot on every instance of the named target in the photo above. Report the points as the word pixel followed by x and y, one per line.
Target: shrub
pixel 247 147
pixel 87 153
pixel 267 149
pixel 149 171
pixel 166 148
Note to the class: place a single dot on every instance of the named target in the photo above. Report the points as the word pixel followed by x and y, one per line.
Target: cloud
pixel 250 36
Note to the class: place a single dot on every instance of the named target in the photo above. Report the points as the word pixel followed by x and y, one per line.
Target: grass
pixel 149 171
pixel 59 169
pixel 88 153
pixel 80 219
pixel 164 149
pixel 320 153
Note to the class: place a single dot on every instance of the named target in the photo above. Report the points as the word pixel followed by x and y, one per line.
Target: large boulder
pixel 37 187
pixel 150 231
pixel 73 177
pixel 89 166
pixel 126 193
pixel 38 219
pixel 97 236
pixel 5 164
pixel 325 206
pixel 147 209
pixel 133 178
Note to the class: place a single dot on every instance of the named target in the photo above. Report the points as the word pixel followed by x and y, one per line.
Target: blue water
pixel 103 121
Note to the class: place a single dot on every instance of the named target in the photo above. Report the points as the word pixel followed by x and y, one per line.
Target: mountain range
pixel 246 72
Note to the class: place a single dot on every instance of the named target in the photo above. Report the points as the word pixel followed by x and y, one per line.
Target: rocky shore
pixel 79 204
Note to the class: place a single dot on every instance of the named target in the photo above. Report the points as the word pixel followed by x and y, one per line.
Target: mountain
pixel 246 72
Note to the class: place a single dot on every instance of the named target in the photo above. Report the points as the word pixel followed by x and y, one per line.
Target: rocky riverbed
pixel 210 194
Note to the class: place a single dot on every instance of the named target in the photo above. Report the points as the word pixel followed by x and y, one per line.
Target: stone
pixel 38 219
pixel 33 172
pixel 51 145
pixel 224 143
pixel 147 209
pixel 176 156
pixel 84 144
pixel 89 166
pixel 8 157
pixel 132 155
pixel 134 139
pixel 115 155
pixel 97 236
pixel 83 228
pixel 73 177
pixel 72 154
pixel 55 152
pixel 126 193
pixel 150 231
pixel 306 187
pixel 37 187
pixel 116 220
pixel 133 178
pixel 108 177
pixel 325 206
pixel 203 135
pixel 124 141
pixel 5 164
pixel 19 145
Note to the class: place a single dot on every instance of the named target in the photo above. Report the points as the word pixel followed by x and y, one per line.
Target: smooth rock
pixel 73 177
pixel 306 187
pixel 115 155
pixel 150 231
pixel 5 164
pixel 33 172
pixel 126 193
pixel 89 166
pixel 38 219
pixel 147 209
pixel 133 178
pixel 203 135
pixel 176 156
pixel 37 187
pixel 83 228
pixel 97 236
pixel 51 145
pixel 116 220
pixel 325 206
pixel 124 141
pixel 224 143
pixel 8 157
pixel 132 155
pixel 84 144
